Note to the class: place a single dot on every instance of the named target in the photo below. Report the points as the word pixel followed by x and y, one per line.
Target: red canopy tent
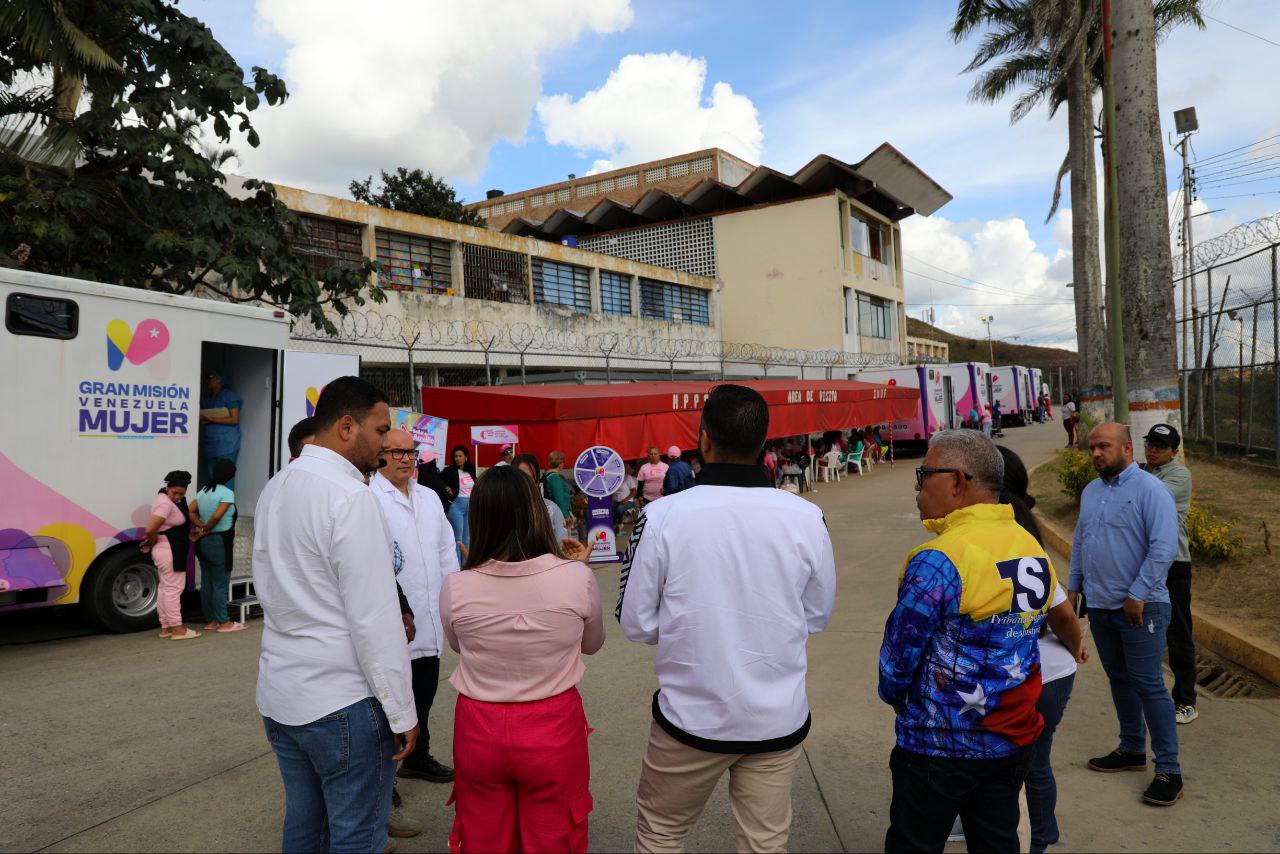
pixel 633 417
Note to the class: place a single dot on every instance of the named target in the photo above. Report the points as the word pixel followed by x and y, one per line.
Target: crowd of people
pixel 978 657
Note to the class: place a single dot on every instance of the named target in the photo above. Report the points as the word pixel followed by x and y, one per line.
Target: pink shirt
pixel 651 475
pixel 164 507
pixel 521 628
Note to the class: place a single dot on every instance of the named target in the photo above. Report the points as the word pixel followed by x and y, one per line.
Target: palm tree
pixel 1053 49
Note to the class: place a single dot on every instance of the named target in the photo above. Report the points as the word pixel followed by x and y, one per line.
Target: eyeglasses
pixel 402 453
pixel 924 471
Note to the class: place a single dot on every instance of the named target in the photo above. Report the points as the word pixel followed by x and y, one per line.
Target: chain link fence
pixel 1228 339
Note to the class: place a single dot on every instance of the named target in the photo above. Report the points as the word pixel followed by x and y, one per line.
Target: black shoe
pixel 1119 760
pixel 426 768
pixel 1164 790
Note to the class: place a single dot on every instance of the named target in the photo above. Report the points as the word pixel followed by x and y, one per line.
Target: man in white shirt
pixel 334 686
pixel 425 554
pixel 729 579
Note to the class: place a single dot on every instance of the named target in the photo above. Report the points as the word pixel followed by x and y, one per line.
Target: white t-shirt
pixel 465 484
pixel 1069 408
pixel 1056 661
pixel 624 489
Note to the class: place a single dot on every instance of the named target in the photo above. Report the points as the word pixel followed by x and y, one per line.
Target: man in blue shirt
pixel 1125 541
pixel 679 475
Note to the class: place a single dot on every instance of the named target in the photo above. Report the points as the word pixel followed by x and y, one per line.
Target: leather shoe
pixel 426 768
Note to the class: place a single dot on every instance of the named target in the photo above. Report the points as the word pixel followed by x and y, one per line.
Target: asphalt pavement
pixel 128 742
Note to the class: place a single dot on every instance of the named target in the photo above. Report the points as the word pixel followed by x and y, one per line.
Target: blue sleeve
pixel 1161 517
pixel 1075 577
pixel 929 592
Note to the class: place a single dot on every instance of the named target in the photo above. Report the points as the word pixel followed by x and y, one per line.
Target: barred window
pixel 672 302
pixel 873 317
pixel 686 245
pixel 413 262
pixel 628 181
pixel 326 242
pixel 615 293
pixel 495 274
pixel 561 284
pixel 702 164
pixel 653 175
pixel 679 170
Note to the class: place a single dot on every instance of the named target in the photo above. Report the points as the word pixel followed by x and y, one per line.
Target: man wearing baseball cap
pixel 679 475
pixel 507 453
pixel 1161 443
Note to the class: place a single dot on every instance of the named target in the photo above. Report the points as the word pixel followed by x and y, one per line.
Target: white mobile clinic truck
pixel 101 387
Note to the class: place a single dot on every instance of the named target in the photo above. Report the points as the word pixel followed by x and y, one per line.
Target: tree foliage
pixel 116 185
pixel 415 192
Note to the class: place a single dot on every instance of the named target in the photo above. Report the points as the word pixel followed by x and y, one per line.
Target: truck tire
pixel 120 595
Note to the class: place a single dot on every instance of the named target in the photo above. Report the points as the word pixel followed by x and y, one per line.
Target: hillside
pixel 975 349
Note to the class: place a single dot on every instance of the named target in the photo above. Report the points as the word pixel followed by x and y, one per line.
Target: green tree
pixel 415 192
pixel 104 174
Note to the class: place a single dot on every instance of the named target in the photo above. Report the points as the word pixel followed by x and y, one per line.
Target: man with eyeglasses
pixel 425 553
pixel 960 662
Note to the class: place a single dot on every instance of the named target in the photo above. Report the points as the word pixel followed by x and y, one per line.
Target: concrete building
pixel 805 262
pixel 927 350
pixel 467 305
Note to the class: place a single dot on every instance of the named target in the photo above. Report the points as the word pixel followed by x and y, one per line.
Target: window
pixel 495 274
pixel 43 317
pixel 868 237
pixel 414 263
pixel 686 245
pixel 702 164
pixel 628 181
pixel 328 242
pixel 675 303
pixel 561 284
pixel 874 319
pixel 615 293
pixel 652 176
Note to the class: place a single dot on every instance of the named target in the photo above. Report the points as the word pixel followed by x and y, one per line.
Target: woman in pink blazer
pixel 520 615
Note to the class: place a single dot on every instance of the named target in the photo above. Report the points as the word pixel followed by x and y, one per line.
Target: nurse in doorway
pixel 219 423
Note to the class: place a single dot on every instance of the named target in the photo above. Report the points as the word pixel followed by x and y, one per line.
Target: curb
pixel 1251 653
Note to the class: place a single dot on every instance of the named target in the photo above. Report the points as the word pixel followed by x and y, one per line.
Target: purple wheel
pixel 599 471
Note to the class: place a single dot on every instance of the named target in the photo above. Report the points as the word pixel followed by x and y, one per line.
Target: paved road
pixel 130 743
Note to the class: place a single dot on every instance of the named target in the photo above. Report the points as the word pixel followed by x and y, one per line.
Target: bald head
pixel 1111 448
pixel 398 438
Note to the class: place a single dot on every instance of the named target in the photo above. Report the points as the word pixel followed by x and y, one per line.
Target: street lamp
pixel 991 351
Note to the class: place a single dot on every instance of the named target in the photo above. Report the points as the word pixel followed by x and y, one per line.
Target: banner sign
pixel 503 434
pixel 429 432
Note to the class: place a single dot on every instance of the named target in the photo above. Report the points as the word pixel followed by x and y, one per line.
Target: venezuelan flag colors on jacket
pixel 960 655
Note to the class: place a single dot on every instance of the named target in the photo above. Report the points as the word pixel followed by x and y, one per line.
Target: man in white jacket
pixel 729 579
pixel 423 553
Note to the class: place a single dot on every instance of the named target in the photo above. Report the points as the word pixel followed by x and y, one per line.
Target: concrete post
pixel 457 272
pixel 596 298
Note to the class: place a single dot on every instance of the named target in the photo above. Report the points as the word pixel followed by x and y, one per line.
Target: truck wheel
pixel 120 595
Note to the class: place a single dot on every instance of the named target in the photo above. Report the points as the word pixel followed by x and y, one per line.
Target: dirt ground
pixel 1243 590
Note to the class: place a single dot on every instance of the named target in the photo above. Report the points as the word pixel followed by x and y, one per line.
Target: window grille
pixel 615 293
pixel 626 182
pixel 873 317
pixel 495 274
pixel 702 164
pixel 678 170
pixel 326 242
pixel 653 175
pixel 584 191
pixel 413 262
pixel 607 185
pixel 484 213
pixel 672 302
pixel 688 246
pixel 562 195
pixel 561 285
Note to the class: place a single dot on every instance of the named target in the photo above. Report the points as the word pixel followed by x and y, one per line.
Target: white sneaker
pixel 1185 714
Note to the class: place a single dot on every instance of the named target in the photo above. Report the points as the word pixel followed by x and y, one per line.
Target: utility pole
pixel 1115 304
pixel 991 349
pixel 1186 124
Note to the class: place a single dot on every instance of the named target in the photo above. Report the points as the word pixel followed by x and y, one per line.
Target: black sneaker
pixel 426 768
pixel 1164 790
pixel 1118 760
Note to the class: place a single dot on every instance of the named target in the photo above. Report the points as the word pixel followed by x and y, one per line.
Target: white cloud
pixel 402 82
pixel 652 106
pixel 1012 278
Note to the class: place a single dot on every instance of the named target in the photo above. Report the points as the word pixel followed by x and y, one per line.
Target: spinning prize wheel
pixel 599 471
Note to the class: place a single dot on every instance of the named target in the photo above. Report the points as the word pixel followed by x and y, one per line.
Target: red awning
pixel 633 417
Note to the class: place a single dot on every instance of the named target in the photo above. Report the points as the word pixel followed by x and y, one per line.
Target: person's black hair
pixel 466 453
pixel 529 460
pixel 298 435
pixel 346 396
pixel 1014 492
pixel 178 477
pixel 509 519
pixel 223 472
pixel 736 418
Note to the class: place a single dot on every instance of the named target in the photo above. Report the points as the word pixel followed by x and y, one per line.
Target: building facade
pixel 927 350
pixel 809 262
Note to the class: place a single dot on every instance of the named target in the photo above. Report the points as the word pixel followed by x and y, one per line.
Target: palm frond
pixel 1057 186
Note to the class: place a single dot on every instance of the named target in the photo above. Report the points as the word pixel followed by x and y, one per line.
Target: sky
pixel 514 94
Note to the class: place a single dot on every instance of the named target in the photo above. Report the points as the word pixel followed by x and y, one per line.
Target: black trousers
pixel 1182 648
pixel 426 676
pixel 930 791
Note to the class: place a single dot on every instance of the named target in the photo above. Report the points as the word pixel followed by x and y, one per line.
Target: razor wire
pixel 1244 236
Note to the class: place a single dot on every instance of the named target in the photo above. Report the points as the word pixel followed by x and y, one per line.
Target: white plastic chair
pixel 829 464
pixel 855 459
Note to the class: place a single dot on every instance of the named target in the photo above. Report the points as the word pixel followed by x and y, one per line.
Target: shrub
pixel 1075 471
pixel 1209 535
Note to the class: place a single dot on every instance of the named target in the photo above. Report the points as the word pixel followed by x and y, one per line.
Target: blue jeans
pixel 457 516
pixel 338 775
pixel 1133 658
pixel 1042 789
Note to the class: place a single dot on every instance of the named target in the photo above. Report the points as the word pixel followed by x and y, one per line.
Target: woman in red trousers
pixel 520 616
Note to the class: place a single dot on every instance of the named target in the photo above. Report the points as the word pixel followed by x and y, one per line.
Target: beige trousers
pixel 676 781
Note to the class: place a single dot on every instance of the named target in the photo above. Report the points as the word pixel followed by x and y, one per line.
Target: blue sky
pixel 492 95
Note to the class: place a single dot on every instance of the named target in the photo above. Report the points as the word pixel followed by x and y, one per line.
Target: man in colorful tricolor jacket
pixel 960 663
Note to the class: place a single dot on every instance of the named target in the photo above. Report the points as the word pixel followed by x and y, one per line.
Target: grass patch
pixel 1242 590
